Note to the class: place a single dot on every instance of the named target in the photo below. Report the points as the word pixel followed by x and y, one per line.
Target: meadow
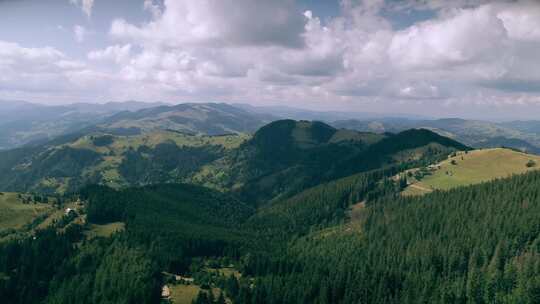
pixel 473 167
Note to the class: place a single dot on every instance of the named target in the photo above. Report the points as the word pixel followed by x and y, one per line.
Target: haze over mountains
pixel 25 123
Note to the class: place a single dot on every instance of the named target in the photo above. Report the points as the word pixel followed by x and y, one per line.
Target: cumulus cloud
pixel 115 53
pixel 35 69
pixel 197 46
pixel 217 23
pixel 465 51
pixel 463 38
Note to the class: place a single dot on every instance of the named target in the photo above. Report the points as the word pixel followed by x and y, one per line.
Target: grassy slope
pixel 113 154
pixel 105 230
pixel 114 151
pixel 473 168
pixel 186 294
pixel 14 214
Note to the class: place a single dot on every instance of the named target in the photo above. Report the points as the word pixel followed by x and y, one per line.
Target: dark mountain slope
pixel 287 156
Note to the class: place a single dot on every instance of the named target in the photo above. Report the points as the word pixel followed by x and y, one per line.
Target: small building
pixel 185 280
pixel 69 211
pixel 165 292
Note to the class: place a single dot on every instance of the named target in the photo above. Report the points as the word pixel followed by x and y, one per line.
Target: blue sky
pixel 468 58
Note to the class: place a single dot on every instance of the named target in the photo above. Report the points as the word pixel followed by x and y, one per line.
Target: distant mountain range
pixel 23 123
pixel 520 135
pixel 192 118
pixel 326 116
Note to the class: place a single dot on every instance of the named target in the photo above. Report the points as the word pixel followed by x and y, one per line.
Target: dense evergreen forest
pixel 336 233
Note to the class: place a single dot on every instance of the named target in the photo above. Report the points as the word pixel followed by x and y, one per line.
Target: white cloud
pixel 466 36
pixel 85 5
pixel 481 52
pixel 80 33
pixel 37 70
pixel 211 22
pixel 115 53
pixel 522 22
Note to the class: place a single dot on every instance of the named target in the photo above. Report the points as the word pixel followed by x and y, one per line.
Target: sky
pixel 439 58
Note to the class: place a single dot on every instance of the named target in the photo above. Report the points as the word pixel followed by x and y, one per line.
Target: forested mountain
pixel 287 156
pixel 167 225
pixel 470 245
pixel 300 212
pixel 70 162
pixel 280 159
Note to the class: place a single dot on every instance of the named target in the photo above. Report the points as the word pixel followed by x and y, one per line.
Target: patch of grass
pixel 225 271
pixel 472 168
pixel 351 135
pixel 185 294
pixel 104 230
pixel 14 214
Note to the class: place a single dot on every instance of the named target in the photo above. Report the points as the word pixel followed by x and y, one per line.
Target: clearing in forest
pixel 470 168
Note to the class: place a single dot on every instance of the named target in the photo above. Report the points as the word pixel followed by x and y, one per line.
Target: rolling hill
pixel 471 168
pixel 118 161
pixel 280 159
pixel 204 118
pixel 287 156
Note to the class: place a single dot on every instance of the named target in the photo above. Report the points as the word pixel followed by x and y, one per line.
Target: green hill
pixel 287 156
pixel 68 163
pixel 469 168
pixel 281 159
pixel 18 210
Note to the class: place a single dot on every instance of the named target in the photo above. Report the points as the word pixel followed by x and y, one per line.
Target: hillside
pixel 165 227
pixel 476 244
pixel 287 156
pixel 280 159
pixel 65 165
pixel 469 168
pixel 19 210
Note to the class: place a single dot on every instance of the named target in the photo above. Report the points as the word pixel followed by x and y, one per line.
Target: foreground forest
pixel 300 212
